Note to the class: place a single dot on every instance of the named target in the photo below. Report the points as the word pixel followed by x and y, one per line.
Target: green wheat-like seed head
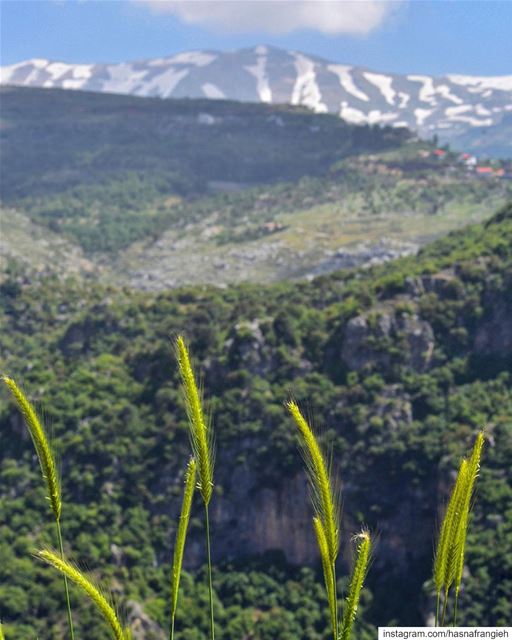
pixel 443 562
pixel 41 444
pixel 190 482
pixel 325 499
pixel 364 546
pixel 200 433
pixel 449 558
pixel 472 474
pixel 95 595
pixel 2 637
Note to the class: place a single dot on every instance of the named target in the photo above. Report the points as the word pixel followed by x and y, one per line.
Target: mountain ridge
pixel 474 112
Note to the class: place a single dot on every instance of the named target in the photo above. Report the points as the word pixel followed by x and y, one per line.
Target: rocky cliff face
pixel 250 520
pixel 373 341
pixel 255 519
pixel 493 336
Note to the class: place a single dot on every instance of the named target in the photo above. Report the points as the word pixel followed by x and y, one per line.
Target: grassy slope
pixel 39 247
pixel 103 368
pixel 221 247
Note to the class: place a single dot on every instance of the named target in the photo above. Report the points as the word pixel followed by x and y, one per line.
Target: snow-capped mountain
pixel 476 110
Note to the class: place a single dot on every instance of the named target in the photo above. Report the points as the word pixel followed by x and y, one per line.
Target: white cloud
pixel 357 17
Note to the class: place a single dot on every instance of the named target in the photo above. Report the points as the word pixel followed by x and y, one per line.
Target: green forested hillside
pixel 400 364
pixel 158 193
pixel 102 168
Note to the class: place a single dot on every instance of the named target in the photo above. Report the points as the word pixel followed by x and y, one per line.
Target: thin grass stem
pixel 210 586
pixel 179 547
pixel 455 609
pixel 438 596
pixel 445 603
pixel 66 587
pixel 335 598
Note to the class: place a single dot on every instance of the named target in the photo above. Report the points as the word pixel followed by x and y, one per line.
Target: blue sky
pixel 473 37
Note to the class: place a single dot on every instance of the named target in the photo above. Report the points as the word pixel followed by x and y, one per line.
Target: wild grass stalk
pixel 48 469
pixel 356 584
pixel 444 551
pixel 326 506
pixel 201 438
pixel 449 557
pixel 190 482
pixel 2 637
pixel 472 474
pixel 95 595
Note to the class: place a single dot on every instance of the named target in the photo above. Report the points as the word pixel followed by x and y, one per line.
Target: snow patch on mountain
pixel 163 84
pixel 57 69
pixel 429 91
pixel 259 71
pixel 69 83
pixel 72 76
pixel 196 58
pixel 384 84
pixel 480 83
pixel 306 90
pixel 37 62
pixel 404 99
pixel 421 115
pixel 460 114
pixel 346 81
pixel 356 116
pixel 212 91
pixel 7 73
pixel 122 78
